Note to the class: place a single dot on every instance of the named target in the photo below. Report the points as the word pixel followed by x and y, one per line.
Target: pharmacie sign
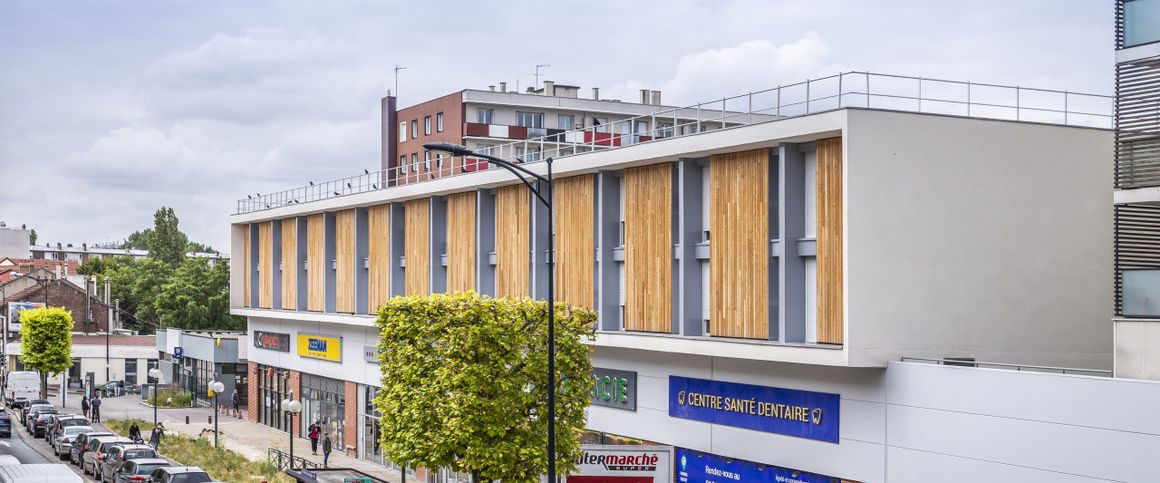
pixel 272 341
pixel 613 388
pixel 697 467
pixel 624 464
pixel 805 414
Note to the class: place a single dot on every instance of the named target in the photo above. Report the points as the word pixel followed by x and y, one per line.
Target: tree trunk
pixel 475 478
pixel 43 385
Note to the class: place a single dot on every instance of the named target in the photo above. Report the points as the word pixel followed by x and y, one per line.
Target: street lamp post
pixel 217 387
pixel 292 407
pixel 545 192
pixel 155 373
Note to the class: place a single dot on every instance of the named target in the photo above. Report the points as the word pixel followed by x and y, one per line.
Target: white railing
pixel 840 91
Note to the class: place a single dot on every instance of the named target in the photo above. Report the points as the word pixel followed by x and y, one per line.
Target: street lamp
pixel 155 373
pixel 292 407
pixel 545 192
pixel 217 387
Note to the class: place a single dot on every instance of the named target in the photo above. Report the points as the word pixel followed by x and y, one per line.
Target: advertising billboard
pixel 14 310
pixel 624 464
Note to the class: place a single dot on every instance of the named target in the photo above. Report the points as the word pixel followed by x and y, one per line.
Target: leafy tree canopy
pixel 46 342
pixel 166 242
pixel 465 384
pixel 197 296
pixel 32 237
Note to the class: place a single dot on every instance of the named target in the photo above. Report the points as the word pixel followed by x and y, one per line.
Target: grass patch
pixel 171 398
pixel 221 464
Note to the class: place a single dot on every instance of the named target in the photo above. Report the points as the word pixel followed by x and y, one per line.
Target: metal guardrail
pixel 1014 367
pixel 281 458
pixel 844 90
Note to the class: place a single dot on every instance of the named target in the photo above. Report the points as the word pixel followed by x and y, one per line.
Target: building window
pixel 324 401
pixel 567 122
pixel 439 122
pixel 427 125
pixel 403 131
pixel 600 123
pixel 427 160
pixel 439 160
pixel 530 119
pixel 640 127
pixel 1141 22
pixel 664 129
pixel 403 163
pixel 415 162
pixel 131 371
pixel 483 116
pixel 414 129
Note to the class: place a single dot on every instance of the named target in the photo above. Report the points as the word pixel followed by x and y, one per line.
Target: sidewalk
pixel 249 439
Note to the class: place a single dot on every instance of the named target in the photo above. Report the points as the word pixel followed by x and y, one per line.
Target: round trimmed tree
pixel 46 342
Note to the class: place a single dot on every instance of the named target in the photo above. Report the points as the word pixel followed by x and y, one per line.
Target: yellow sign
pixel 320 347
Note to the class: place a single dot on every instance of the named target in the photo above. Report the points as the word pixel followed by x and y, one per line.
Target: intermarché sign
pixel 613 388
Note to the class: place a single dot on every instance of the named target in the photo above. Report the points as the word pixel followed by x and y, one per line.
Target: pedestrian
pixel 326 450
pixel 237 401
pixel 85 405
pixel 314 432
pixel 135 432
pixel 155 436
pixel 96 404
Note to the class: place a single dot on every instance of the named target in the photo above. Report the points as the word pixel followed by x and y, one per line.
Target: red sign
pixel 624 464
pixel 272 341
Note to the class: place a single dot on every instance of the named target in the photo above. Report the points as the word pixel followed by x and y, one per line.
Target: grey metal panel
pixel 775 250
pixel 791 226
pixel 361 253
pixel 773 271
pixel 607 239
pixel 689 187
pixel 701 251
pixel 618 254
pixel 807 248
pixel 276 262
pixel 329 267
pixel 255 244
pixel 300 263
pixel 675 234
pixel 540 244
pixel 438 244
pixel 398 242
pixel 485 242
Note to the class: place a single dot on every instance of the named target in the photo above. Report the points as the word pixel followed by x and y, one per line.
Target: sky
pixel 112 109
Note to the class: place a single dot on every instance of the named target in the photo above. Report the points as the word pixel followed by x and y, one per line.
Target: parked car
pixel 80 444
pixel 5 424
pixel 62 442
pixel 116 388
pixel 60 422
pixel 41 423
pixel 179 474
pixel 98 447
pixel 21 387
pixel 138 470
pixel 33 407
pixel 120 453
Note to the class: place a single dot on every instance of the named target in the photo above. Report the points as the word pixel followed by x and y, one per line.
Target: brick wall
pixel 350 433
pixel 64 294
pixel 252 393
pixel 296 393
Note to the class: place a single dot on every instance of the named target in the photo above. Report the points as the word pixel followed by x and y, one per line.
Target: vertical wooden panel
pixel 379 253
pixel 575 234
pixel 344 261
pixel 265 260
pixel 648 248
pixel 829 241
pixel 246 276
pixel 289 264
pixel 461 242
pixel 418 246
pixel 316 263
pixel 739 250
pixel 512 241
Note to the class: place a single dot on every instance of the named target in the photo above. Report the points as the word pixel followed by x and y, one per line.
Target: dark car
pixel 26 413
pixel 80 444
pixel 5 425
pixel 118 454
pixel 137 470
pixel 41 423
pixel 179 474
pixel 57 424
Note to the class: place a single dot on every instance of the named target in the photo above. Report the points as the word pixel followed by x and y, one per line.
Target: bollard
pixel 209 419
pixel 187 420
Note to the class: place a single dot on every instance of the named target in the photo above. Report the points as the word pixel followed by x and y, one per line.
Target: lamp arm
pixel 513 169
pixel 509 164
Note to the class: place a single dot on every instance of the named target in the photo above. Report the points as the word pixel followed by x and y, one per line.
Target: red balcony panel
pixel 644 138
pixel 517 132
pixel 474 164
pixel 474 129
pixel 601 138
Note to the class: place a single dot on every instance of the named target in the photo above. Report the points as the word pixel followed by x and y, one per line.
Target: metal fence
pixel 1013 367
pixel 281 459
pixel 866 90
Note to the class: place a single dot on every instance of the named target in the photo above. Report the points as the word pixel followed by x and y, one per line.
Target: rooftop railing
pixel 1012 367
pixel 845 90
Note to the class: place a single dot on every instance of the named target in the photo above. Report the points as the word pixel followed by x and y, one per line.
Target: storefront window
pixel 324 402
pixel 273 387
pixel 371 431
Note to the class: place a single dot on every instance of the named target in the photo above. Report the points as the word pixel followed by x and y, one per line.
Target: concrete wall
pixel 976 238
pixel 14 243
pixel 1137 348
pixel 915 422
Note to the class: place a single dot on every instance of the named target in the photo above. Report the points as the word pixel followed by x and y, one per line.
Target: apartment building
pixel 84 252
pixel 758 284
pixel 1137 183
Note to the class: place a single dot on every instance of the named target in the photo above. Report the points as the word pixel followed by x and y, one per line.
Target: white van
pixel 23 386
pixel 38 474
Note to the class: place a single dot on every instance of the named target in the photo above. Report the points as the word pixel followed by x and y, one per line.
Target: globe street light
pixel 292 407
pixel 217 387
pixel 155 373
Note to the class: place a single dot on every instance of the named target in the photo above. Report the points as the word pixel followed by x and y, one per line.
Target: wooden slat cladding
pixel 739 254
pixel 512 241
pixel 246 261
pixel 829 241
pixel 265 262
pixel 461 242
pixel 289 266
pixel 575 240
pixel 648 248
pixel 316 263
pixel 344 261
pixel 379 253
pixel 418 246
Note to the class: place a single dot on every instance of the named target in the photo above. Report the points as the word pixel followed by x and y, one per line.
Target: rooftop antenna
pixel 538 74
pixel 397 69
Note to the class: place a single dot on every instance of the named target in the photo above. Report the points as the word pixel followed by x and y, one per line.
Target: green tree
pixel 464 384
pixel 196 247
pixel 167 242
pixel 197 297
pixel 32 237
pixel 138 240
pixel 46 342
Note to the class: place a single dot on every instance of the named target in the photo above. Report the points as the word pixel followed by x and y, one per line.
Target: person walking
pixel 135 432
pixel 85 405
pixel 326 447
pixel 315 431
pixel 237 401
pixel 156 435
pixel 96 408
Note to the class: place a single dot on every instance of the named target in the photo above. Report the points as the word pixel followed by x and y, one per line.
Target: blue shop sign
pixel 697 467
pixel 805 414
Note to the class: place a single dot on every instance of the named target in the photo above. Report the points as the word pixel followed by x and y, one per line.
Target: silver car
pixel 98 447
pixel 62 443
